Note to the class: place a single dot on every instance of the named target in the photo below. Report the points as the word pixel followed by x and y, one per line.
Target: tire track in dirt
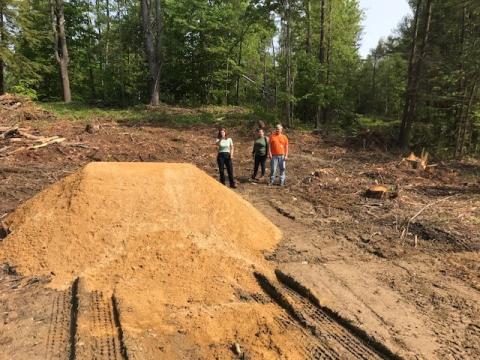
pixel 59 333
pixel 309 346
pixel 98 334
pixel 327 336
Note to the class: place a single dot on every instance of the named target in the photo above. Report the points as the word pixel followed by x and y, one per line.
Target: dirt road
pixel 348 274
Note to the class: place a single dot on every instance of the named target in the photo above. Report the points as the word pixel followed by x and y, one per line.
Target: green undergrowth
pixel 162 115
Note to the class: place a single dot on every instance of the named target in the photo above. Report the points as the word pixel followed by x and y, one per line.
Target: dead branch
pixel 53 140
pixel 30 136
pixel 81 145
pixel 406 229
pixel 10 131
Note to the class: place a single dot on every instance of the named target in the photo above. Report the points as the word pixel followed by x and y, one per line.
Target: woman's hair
pixel 219 136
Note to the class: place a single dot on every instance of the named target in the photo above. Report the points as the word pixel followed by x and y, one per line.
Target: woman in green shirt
pixel 224 157
pixel 260 152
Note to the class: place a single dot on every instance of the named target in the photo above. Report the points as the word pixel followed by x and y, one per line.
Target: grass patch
pixel 377 123
pixel 162 115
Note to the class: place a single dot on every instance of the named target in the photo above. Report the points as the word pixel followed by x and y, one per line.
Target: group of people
pixel 275 147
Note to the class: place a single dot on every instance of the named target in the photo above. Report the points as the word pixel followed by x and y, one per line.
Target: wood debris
pixel 381 192
pixel 17 108
pixel 414 162
pixel 16 135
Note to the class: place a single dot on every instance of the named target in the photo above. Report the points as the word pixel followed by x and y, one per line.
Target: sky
pixel 380 19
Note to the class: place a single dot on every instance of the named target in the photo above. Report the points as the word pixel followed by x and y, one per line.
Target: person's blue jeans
pixel 277 161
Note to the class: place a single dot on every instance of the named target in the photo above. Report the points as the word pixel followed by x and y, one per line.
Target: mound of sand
pixel 112 214
pixel 174 245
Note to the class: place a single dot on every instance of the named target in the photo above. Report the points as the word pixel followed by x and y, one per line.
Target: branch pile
pixel 16 108
pixel 16 139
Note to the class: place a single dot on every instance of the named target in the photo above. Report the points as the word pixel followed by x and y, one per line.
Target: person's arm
pixel 267 144
pixel 269 149
pixel 286 148
pixel 231 148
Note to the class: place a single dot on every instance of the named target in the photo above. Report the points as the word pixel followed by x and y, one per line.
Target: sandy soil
pixel 418 294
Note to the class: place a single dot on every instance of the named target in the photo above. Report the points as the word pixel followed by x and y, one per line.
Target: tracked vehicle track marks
pixel 97 336
pixel 310 347
pixel 326 328
pixel 326 335
pixel 58 344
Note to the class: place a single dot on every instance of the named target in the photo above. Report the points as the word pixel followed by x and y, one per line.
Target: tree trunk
pixel 308 9
pixel 237 83
pixel 414 72
pixel 462 88
pixel 265 92
pixel 463 124
pixel 275 85
pixel 2 38
pixel 288 75
pixel 321 110
pixel 60 45
pixel 374 80
pixel 152 48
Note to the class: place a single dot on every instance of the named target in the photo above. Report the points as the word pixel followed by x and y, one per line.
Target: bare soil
pixel 404 271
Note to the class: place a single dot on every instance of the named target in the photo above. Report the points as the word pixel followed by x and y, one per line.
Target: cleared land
pixel 345 273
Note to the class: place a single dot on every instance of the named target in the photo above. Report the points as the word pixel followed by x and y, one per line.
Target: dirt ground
pixel 404 270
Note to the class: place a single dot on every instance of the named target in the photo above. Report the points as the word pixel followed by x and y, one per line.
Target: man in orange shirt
pixel 278 154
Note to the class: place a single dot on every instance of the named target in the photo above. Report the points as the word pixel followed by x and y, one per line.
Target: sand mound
pixel 92 220
pixel 174 245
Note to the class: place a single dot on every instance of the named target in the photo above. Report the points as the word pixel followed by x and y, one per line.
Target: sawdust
pixel 174 246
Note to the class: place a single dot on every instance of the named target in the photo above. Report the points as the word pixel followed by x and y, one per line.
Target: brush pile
pixel 17 108
pixel 14 139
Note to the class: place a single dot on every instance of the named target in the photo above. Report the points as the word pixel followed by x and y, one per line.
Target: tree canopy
pixel 298 59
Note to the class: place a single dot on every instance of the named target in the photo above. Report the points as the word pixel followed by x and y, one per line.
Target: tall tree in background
pixel 2 39
pixel 322 56
pixel 152 22
pixel 288 62
pixel 60 45
pixel 417 55
pixel 469 77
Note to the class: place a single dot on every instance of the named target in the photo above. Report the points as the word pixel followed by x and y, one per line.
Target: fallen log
pixel 12 130
pixel 30 136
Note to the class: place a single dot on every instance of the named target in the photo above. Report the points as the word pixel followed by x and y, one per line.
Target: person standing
pixel 224 157
pixel 260 153
pixel 278 154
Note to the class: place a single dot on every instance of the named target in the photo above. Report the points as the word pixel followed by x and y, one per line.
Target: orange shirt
pixel 278 144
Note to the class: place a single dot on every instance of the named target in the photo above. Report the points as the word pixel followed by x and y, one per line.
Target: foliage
pixel 220 52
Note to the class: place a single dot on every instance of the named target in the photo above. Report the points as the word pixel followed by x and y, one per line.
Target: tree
pixel 60 45
pixel 153 29
pixel 417 56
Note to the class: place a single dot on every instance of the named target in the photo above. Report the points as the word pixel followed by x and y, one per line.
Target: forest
pixel 296 61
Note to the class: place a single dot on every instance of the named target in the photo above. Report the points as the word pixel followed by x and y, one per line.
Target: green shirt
pixel 224 145
pixel 260 146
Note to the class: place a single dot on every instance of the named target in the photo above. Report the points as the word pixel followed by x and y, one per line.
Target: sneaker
pixel 233 186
